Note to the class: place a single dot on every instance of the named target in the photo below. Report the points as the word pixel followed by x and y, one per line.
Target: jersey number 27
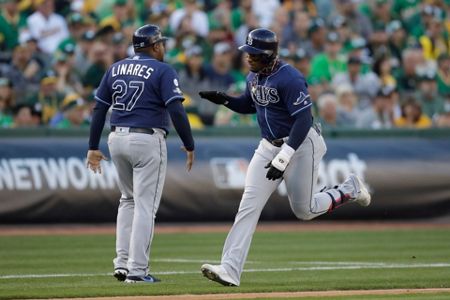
pixel 125 94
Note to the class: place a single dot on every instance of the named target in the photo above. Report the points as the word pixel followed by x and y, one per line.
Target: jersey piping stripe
pixel 267 121
pixel 297 111
pixel 275 72
pixel 100 100
pixel 312 181
pixel 173 98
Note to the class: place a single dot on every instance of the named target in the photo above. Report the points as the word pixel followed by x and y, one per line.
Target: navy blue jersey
pixel 139 88
pixel 278 98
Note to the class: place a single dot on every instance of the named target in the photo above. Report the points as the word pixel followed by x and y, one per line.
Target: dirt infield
pixel 77 229
pixel 280 295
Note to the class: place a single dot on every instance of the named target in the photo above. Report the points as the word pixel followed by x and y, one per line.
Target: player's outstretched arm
pixel 238 104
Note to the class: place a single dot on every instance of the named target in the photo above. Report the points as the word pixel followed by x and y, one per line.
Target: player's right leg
pixel 119 156
pixel 237 244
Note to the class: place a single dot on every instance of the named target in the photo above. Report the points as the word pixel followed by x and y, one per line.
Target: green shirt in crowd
pixel 9 31
pixel 323 68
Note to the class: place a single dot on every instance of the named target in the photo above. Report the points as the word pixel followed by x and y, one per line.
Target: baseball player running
pixel 291 148
pixel 142 91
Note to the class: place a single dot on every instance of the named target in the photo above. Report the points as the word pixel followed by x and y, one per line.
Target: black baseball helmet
pixel 261 41
pixel 146 36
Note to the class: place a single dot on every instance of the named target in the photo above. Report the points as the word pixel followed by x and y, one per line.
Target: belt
pixel 138 130
pixel 280 142
pixel 277 142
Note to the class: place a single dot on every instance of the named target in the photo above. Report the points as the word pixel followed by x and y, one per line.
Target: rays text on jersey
pixel 264 95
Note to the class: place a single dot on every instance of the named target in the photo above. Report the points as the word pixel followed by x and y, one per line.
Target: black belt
pixel 138 130
pixel 280 142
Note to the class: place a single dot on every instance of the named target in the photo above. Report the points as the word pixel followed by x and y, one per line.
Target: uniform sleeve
pixel 103 93
pixel 296 96
pixel 169 86
pixel 242 104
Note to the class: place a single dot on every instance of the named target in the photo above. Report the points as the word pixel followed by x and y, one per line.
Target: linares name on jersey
pixel 132 69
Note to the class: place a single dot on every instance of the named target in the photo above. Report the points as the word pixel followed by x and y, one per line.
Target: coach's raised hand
pixel 215 96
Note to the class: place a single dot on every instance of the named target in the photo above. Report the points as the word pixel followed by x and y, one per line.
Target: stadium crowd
pixel 369 64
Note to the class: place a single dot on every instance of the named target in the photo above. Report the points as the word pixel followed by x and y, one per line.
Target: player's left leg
pixel 301 178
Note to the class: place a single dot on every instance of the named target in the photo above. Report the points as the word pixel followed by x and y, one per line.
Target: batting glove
pixel 215 97
pixel 278 165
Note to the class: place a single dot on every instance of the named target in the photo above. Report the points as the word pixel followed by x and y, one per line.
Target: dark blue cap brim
pixel 251 50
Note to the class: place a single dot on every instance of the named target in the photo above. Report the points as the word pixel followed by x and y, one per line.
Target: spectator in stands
pixel 193 76
pixel 23 116
pixel 412 116
pixel 443 75
pixel 397 41
pixel 250 22
pixel 295 33
pixel 68 80
pixel 347 111
pixel 365 85
pixel 100 56
pixel 47 27
pixel 383 69
pixel 435 41
pixel 121 16
pixel 82 49
pixel 264 11
pixel 47 100
pixel 327 111
pixel 7 102
pixel 299 59
pixel 359 23
pixel 197 19
pixel 427 95
pixel 443 120
pixel 23 71
pixel 72 113
pixel 407 80
pixel 120 47
pixel 380 115
pixel 326 65
pixel 219 77
pixel 416 25
pixel 11 22
pixel 379 14
pixel 317 35
pixel 77 24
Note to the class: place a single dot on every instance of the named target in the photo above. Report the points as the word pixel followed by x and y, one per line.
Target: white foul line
pixel 319 267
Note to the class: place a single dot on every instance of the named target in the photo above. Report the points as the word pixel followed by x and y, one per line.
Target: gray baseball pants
pixel 141 162
pixel 300 177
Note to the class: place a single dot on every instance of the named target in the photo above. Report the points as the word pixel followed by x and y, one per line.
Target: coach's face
pixel 159 51
pixel 256 62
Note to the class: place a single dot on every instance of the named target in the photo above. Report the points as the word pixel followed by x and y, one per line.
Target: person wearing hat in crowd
pixel 7 102
pixel 364 85
pixel 443 75
pixel 427 94
pixel 120 17
pixel 69 80
pixel 47 27
pixel 24 71
pixel 48 99
pixel 100 58
pixel 72 113
pixel 380 113
pixel 219 77
pixel 397 41
pixel 77 24
pixel 412 115
pixel 317 36
pixel 295 33
pixel 357 22
pixel 298 59
pixel 11 22
pixel 326 65
pixel 82 48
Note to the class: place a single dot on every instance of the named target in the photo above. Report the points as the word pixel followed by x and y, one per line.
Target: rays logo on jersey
pixel 302 99
pixel 177 88
pixel 264 95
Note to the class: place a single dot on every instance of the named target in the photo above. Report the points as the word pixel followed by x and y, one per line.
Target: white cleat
pixel 218 274
pixel 362 195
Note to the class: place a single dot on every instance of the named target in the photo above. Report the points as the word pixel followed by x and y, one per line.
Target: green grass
pixel 277 262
